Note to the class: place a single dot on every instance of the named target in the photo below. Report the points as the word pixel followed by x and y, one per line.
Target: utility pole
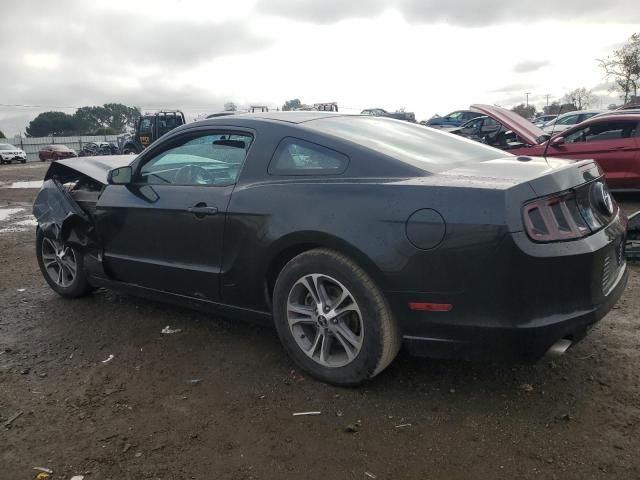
pixel 547 95
pixel 527 94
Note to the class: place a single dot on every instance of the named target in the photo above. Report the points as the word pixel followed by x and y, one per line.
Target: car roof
pixel 619 114
pixel 295 117
pixel 578 112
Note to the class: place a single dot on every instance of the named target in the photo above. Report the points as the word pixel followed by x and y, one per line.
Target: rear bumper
pixel 526 342
pixel 521 300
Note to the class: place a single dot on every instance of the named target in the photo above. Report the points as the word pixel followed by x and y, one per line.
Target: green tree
pixel 2 135
pixel 291 104
pixel 524 110
pixel 623 67
pixel 580 97
pixel 230 107
pixel 51 123
pixel 115 117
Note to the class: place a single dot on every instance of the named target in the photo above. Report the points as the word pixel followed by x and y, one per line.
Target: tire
pixel 78 286
pixel 373 334
pixel 23 161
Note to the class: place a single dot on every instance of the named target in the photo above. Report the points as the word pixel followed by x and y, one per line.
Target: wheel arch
pixel 297 243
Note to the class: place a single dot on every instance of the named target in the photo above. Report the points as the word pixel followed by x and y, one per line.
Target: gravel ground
pixel 216 399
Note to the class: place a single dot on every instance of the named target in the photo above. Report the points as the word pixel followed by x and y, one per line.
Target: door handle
pixel 202 210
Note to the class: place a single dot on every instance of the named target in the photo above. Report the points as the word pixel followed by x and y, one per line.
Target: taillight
pixel 554 218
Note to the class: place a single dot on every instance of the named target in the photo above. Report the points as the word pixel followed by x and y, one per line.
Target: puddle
pixel 32 184
pixel 16 220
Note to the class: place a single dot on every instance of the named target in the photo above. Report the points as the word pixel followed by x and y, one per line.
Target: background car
pixel 543 120
pixel 351 234
pixel 569 119
pixel 486 130
pixel 55 152
pixel 92 149
pixel 381 112
pixel 611 138
pixel 453 119
pixel 9 153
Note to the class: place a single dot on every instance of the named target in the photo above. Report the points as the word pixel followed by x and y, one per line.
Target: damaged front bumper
pixel 60 218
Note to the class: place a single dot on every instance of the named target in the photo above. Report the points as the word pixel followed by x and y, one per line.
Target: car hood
pixel 97 167
pixel 520 126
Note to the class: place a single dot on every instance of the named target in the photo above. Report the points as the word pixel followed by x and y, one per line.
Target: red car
pixel 56 152
pixel 612 139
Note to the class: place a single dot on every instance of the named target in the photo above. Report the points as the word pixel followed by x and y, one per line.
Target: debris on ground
pixel 526 387
pixel 369 474
pixel 42 476
pixel 13 418
pixel 197 381
pixel 404 425
pixel 300 414
pixel 352 428
pixel 43 469
pixel 108 359
pixel 168 330
pixel 21 289
pixel 77 477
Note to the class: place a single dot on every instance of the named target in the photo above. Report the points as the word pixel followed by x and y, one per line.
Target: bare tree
pixel 525 111
pixel 580 97
pixel 623 67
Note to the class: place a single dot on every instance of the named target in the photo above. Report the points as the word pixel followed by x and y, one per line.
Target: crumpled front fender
pixel 60 218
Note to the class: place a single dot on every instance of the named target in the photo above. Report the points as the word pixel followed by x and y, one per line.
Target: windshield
pixel 6 146
pixel 422 147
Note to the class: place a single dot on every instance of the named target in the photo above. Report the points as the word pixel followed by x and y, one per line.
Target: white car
pixel 9 153
pixel 569 119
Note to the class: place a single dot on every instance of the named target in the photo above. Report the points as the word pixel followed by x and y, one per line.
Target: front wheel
pixel 62 267
pixel 333 319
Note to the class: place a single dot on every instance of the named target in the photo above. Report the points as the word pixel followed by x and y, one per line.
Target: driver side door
pixel 164 231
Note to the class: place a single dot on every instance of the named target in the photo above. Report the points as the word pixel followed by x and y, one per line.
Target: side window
pixel 146 125
pixel 298 157
pixel 603 131
pixel 205 159
pixel 570 120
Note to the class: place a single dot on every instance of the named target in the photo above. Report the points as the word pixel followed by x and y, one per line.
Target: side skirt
pixel 206 306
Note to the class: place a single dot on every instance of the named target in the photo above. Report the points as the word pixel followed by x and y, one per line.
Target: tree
pixel 230 107
pixel 291 105
pixel 51 123
pixel 623 67
pixel 2 135
pixel 114 117
pixel 580 97
pixel 524 110
pixel 555 108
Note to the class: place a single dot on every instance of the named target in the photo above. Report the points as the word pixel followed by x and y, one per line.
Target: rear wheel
pixel 332 318
pixel 62 267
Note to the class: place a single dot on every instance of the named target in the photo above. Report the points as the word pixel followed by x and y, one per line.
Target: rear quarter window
pixel 299 157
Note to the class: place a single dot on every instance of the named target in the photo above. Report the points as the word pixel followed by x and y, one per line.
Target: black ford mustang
pixel 351 234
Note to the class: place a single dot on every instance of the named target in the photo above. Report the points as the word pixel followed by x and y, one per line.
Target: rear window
pixel 422 147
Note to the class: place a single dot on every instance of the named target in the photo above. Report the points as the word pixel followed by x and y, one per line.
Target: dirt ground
pixel 215 401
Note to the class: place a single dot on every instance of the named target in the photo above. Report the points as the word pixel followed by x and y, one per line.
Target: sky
pixel 426 56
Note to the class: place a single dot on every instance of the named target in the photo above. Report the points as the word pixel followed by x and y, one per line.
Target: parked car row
pixel 9 153
pixel 611 138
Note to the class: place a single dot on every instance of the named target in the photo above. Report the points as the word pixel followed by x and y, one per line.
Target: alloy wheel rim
pixel 59 262
pixel 325 320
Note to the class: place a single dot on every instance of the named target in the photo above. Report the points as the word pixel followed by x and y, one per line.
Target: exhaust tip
pixel 558 348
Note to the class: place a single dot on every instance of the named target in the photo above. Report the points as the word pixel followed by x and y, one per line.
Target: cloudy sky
pixel 428 56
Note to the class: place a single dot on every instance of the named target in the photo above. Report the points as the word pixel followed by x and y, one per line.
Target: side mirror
pixel 120 176
pixel 557 141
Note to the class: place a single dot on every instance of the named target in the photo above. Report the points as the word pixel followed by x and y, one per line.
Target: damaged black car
pixel 353 235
